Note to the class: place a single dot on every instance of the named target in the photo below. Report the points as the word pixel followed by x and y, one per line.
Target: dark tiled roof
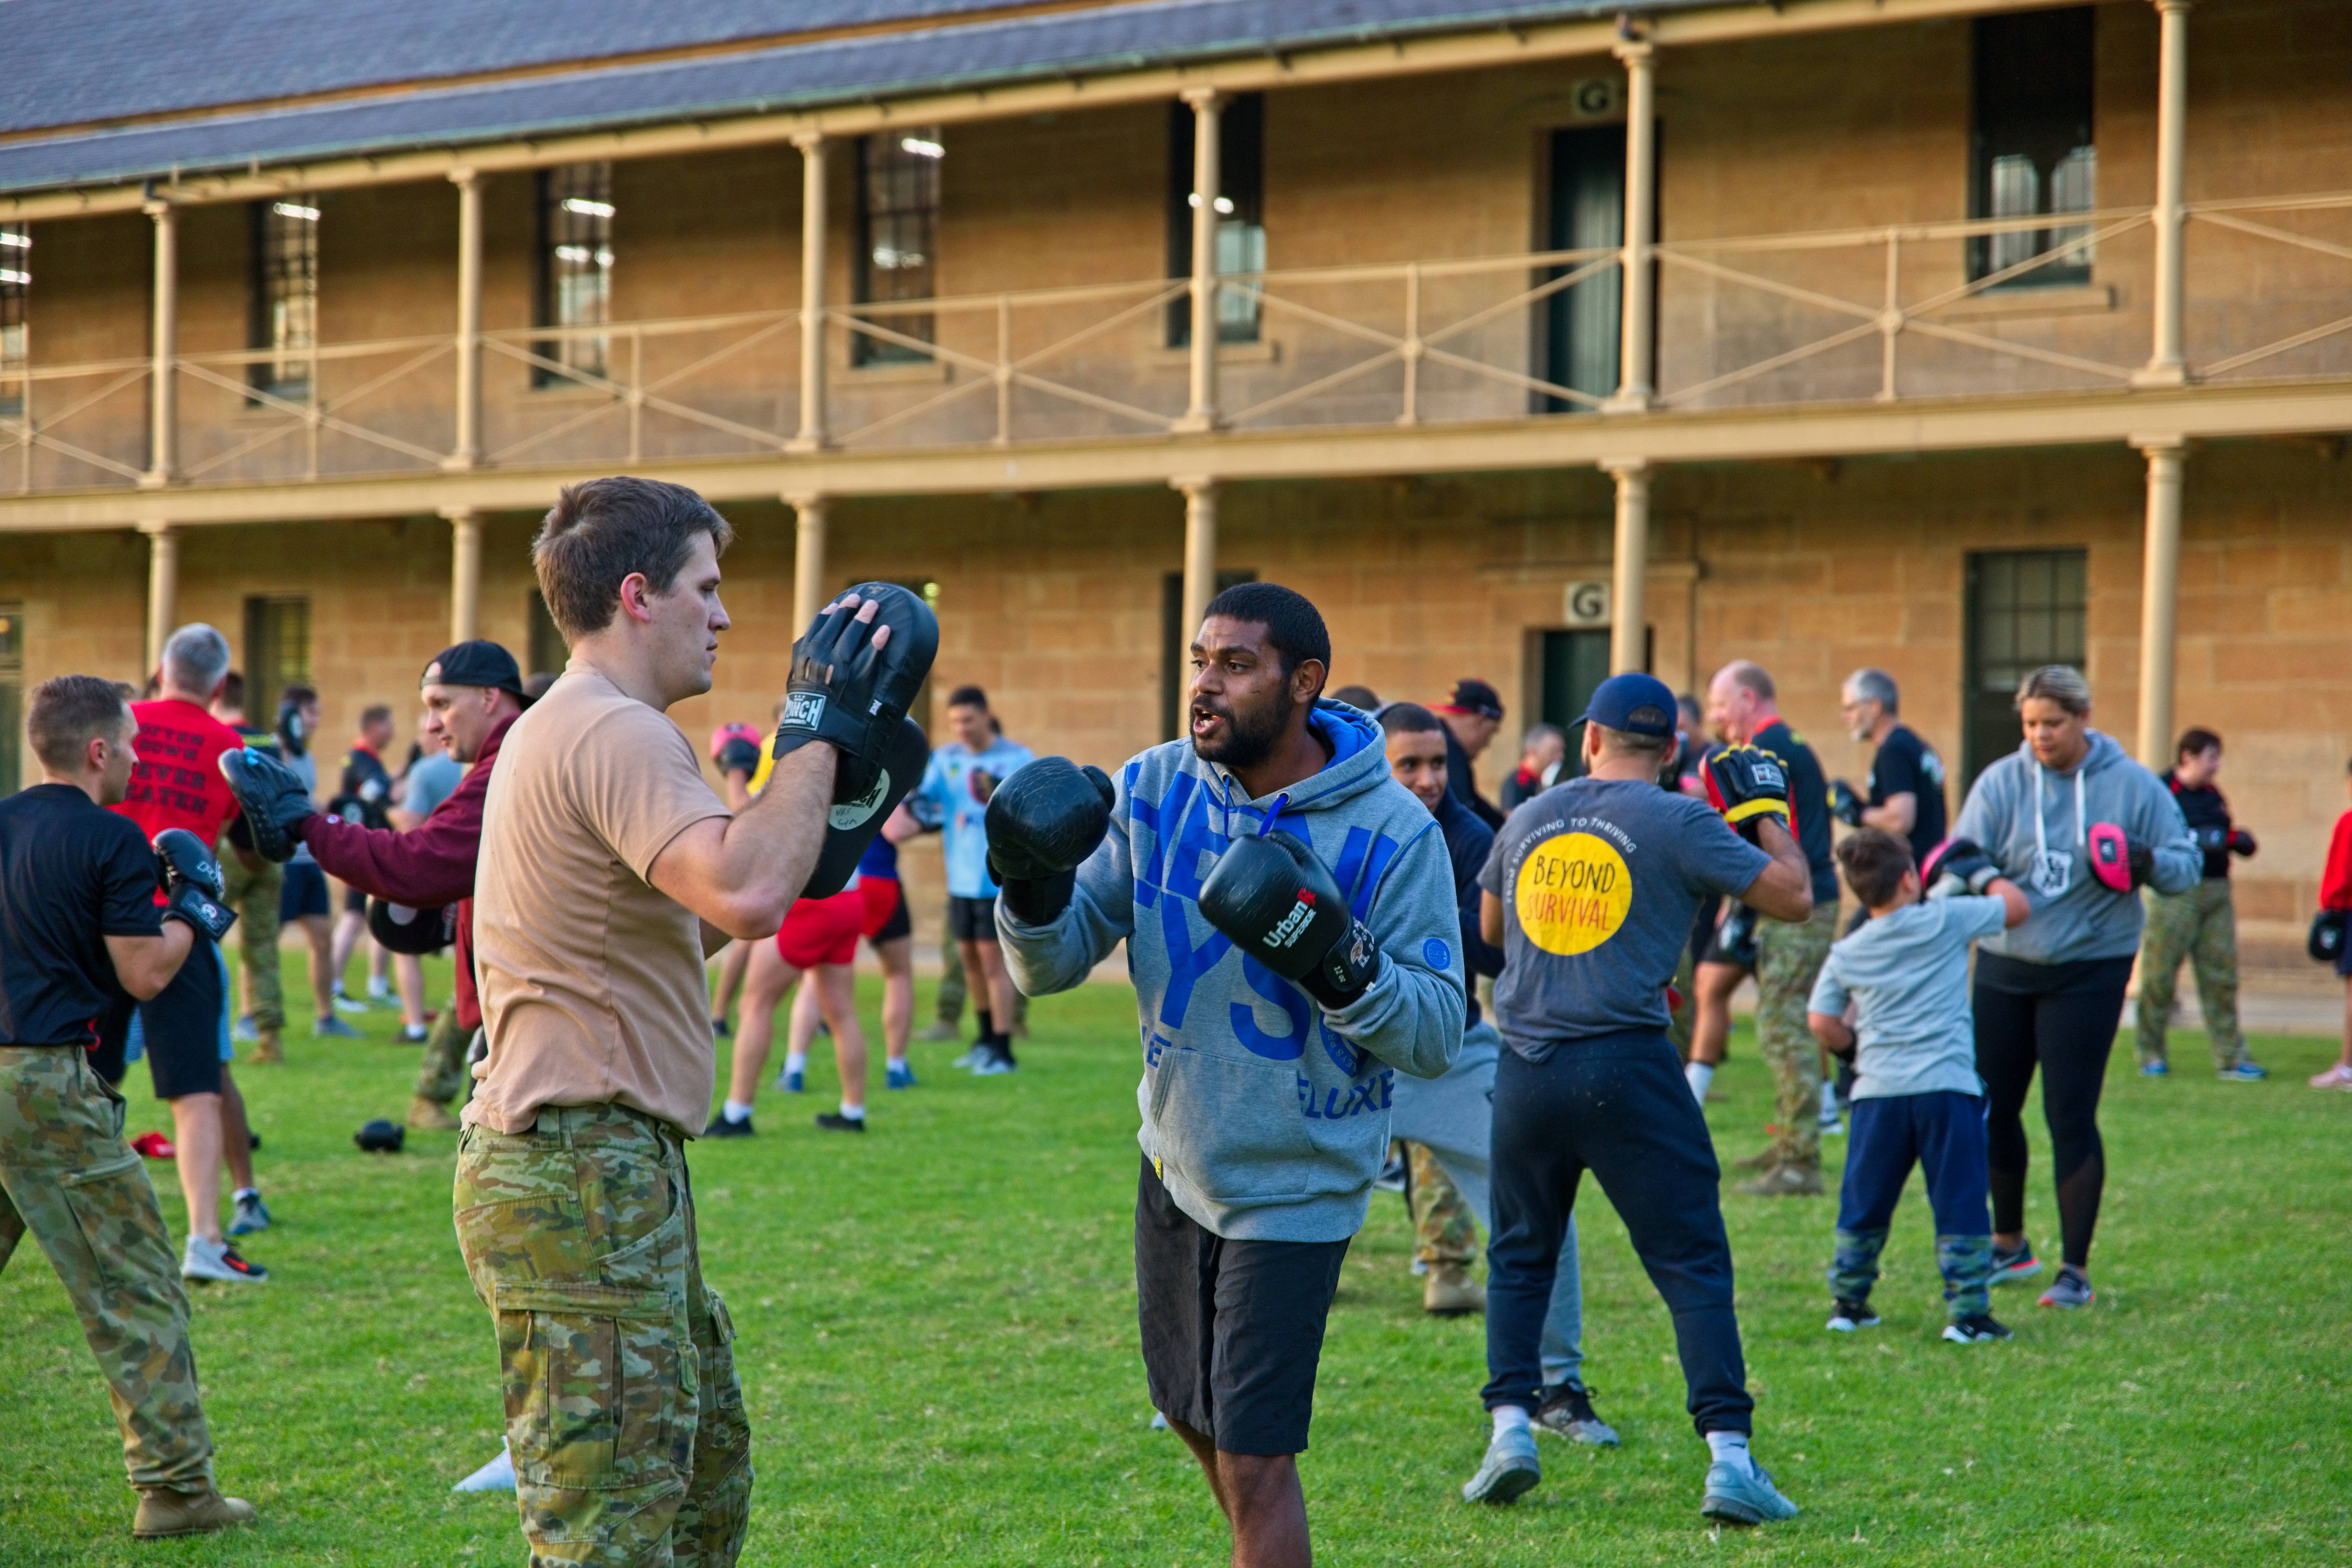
pixel 1113 37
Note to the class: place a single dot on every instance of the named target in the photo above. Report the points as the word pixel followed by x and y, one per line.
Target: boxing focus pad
pixel 1956 866
pixel 851 825
pixel 272 797
pixel 1735 939
pixel 1845 803
pixel 397 928
pixel 2114 859
pixel 192 884
pixel 1043 821
pixel 1280 906
pixel 1746 783
pixel 852 692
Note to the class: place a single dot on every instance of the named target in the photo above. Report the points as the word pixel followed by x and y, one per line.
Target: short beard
pixel 1247 744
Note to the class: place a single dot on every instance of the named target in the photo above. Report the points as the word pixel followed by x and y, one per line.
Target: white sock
pixel 1698 1074
pixel 735 1112
pixel 379 989
pixel 795 1061
pixel 1508 1417
pixel 1731 1448
pixel 1829 1097
pixel 854 1113
pixel 244 1192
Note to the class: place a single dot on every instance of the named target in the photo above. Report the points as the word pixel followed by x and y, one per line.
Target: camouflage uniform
pixel 622 1412
pixel 441 1076
pixel 1787 960
pixel 67 1175
pixel 1964 1262
pixel 2201 925
pixel 1442 1230
pixel 253 896
pixel 952 986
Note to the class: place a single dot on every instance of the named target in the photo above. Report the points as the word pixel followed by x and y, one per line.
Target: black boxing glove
pixel 739 755
pixel 1043 821
pixel 273 797
pixel 190 879
pixel 1735 939
pixel 1746 783
pixel 849 692
pixel 1958 866
pixel 2240 841
pixel 1280 905
pixel 1845 804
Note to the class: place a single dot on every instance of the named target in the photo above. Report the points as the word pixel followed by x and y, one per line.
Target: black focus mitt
pixel 272 797
pixel 1845 803
pixel 1747 784
pixel 397 928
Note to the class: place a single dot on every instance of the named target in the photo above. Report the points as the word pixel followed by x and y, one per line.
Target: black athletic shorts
pixel 182 1025
pixel 973 920
pixel 354 901
pixel 1231 1330
pixel 303 893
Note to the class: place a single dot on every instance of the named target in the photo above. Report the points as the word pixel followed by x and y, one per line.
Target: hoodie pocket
pixel 1230 1126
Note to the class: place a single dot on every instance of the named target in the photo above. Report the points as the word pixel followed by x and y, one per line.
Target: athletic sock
pixel 735 1112
pixel 987 1025
pixel 1731 1448
pixel 853 1112
pixel 378 990
pixel 1829 1097
pixel 795 1061
pixel 1510 1418
pixel 242 1193
pixel 1698 1074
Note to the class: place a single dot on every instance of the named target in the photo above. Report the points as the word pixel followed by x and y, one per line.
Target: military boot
pixel 163 1512
pixel 429 1116
pixel 1450 1292
pixel 267 1051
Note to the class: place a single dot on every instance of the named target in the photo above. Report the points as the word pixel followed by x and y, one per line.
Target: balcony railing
pixel 1883 313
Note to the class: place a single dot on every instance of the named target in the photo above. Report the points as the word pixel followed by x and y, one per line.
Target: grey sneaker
pixel 334 1028
pixel 1743 1498
pixel 218 1260
pixel 2071 1288
pixel 251 1214
pixel 1567 1411
pixel 244 1031
pixel 1508 1470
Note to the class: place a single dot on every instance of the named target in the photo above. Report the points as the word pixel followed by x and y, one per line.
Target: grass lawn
pixel 937 1344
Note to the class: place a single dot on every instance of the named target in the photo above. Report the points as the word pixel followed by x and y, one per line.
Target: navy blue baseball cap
pixel 1636 703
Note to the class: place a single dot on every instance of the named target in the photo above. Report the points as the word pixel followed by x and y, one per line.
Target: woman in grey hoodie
pixel 2080 826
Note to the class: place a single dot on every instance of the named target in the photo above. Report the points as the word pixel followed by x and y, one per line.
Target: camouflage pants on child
pixel 67 1175
pixel 623 1411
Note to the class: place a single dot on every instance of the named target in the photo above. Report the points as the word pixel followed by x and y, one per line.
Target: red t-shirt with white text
pixel 177 783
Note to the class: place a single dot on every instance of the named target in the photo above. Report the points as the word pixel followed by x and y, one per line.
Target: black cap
pixel 478 663
pixel 1475 696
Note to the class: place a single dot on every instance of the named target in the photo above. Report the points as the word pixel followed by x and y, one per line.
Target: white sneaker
pixel 347 1004
pixel 497 1476
pixel 218 1260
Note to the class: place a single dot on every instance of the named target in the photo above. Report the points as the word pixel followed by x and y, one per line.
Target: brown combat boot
pixel 428 1116
pixel 1784 1182
pixel 1450 1292
pixel 163 1512
pixel 1763 1162
pixel 267 1051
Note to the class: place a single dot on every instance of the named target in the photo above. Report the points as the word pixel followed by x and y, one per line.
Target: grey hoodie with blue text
pixel 2035 823
pixel 1266 1116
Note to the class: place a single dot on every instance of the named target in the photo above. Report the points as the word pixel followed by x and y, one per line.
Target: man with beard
pixel 1267 1071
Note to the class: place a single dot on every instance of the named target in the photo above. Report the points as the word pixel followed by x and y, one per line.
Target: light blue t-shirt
pixel 1908 974
pixel 433 780
pixel 959 782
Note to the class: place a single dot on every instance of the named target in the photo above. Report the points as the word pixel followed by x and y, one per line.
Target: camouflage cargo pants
pixel 67 1175
pixel 253 896
pixel 622 1412
pixel 1787 961
pixel 1443 1228
pixel 441 1075
pixel 2202 926
pixel 951 981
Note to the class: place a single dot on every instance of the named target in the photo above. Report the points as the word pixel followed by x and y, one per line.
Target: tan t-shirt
pixel 592 980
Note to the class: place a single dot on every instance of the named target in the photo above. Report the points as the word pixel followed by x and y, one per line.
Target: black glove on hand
pixel 1043 821
pixel 1746 784
pixel 851 694
pixel 2240 841
pixel 1735 939
pixel 1281 906
pixel 1845 803
pixel 1958 866
pixel 739 755
pixel 273 797
pixel 192 884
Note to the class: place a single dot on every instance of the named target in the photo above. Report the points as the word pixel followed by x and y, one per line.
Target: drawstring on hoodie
pixel 1272 812
pixel 2040 833
pixel 1226 804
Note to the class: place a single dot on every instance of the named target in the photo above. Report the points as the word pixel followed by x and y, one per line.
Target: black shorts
pixel 182 1025
pixel 973 920
pixel 304 892
pixel 1231 1330
pixel 354 901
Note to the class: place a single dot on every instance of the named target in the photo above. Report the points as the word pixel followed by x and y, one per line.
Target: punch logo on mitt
pixel 851 813
pixel 1747 784
pixel 804 711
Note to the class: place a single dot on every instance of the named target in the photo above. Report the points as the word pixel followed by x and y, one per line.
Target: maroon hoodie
pixel 425 868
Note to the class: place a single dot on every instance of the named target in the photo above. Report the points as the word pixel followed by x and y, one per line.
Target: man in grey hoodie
pixel 1274 829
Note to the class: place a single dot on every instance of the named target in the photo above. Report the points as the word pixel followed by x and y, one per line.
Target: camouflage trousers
pixel 624 1415
pixel 1964 1262
pixel 2202 926
pixel 1787 960
pixel 253 896
pixel 442 1077
pixel 67 1175
pixel 1443 1228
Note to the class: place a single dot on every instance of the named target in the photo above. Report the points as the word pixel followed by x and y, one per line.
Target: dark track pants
pixel 2061 1017
pixel 1618 1105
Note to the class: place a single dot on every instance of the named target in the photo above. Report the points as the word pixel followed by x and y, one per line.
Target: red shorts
pixel 885 908
pixel 823 931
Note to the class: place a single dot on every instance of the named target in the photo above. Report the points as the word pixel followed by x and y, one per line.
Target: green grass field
pixel 937 1344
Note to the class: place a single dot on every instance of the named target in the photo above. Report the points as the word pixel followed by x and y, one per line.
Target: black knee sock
pixel 987 1024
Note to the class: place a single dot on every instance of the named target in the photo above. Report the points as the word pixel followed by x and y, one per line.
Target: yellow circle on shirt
pixel 1573 893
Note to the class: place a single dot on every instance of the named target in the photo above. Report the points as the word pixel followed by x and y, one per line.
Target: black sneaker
pixel 1977 1329
pixel 1845 1316
pixel 1567 1411
pixel 721 1030
pixel 1392 1176
pixel 2010 1266
pixel 834 1122
pixel 721 1128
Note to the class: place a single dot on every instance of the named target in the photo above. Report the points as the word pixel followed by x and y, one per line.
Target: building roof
pixel 182 66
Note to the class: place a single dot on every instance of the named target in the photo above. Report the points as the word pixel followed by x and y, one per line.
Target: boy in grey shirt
pixel 1917 1096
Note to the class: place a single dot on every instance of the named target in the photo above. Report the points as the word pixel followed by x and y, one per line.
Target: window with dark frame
pixel 2032 150
pixel 15 285
pixel 12 696
pixel 285 312
pixel 2025 608
pixel 576 271
pixel 897 233
pixel 1176 641
pixel 1241 217
pixel 277 650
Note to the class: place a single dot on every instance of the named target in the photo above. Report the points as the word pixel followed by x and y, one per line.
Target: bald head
pixel 1741 700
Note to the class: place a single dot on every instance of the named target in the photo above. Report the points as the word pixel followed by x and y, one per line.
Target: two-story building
pixel 1530 338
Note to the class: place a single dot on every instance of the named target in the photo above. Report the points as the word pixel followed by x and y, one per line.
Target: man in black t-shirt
pixel 77 904
pixel 1905 792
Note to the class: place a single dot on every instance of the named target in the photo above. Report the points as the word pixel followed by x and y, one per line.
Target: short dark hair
pixel 232 691
pixel 968 696
pixel 1409 718
pixel 1362 697
pixel 2195 742
pixel 67 713
pixel 1874 861
pixel 1632 742
pixel 1294 626
pixel 601 531
pixel 299 695
pixel 374 713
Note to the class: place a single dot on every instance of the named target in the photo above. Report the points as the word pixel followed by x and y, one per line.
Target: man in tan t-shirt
pixel 608 869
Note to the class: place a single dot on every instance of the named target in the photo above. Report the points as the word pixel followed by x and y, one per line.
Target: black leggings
pixel 2061 1017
